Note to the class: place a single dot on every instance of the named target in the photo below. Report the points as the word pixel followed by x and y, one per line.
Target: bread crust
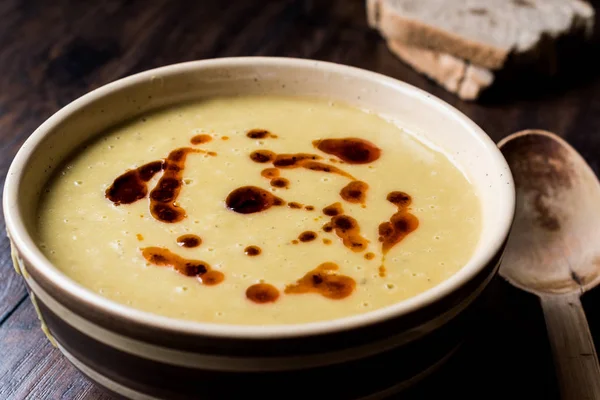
pixel 456 75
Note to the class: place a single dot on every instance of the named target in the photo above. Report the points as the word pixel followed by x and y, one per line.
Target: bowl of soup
pixel 214 228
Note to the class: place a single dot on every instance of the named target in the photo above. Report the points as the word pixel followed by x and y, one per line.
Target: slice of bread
pixel 488 33
pixel 457 76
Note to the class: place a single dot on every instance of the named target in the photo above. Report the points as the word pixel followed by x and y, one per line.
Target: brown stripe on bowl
pixel 168 381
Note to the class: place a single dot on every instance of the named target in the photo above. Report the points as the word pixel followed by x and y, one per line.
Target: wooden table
pixel 52 52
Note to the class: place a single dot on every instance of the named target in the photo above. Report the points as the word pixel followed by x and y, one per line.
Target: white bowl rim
pixel 25 243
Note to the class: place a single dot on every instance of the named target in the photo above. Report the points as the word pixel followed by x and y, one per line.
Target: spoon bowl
pixel 558 213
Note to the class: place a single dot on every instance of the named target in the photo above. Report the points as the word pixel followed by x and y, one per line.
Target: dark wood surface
pixel 51 52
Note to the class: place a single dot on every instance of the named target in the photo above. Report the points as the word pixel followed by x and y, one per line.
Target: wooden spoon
pixel 554 248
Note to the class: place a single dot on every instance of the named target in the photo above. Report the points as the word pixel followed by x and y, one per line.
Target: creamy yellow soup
pixel 259 210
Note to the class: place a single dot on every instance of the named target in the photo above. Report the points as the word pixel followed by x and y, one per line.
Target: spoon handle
pixel 575 357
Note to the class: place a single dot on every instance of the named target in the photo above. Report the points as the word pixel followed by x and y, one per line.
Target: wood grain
pixel 571 342
pixel 32 368
pixel 51 52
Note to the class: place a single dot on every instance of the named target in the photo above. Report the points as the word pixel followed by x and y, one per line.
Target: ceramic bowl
pixel 142 355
